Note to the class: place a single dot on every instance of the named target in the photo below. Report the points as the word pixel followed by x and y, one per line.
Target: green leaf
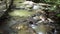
pixel 58 15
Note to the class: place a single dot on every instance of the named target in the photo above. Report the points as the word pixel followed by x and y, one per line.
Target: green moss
pixel 19 0
pixel 58 15
pixel 21 13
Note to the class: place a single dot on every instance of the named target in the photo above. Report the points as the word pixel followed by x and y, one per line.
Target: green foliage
pixel 54 5
pixel 58 15
pixel 53 1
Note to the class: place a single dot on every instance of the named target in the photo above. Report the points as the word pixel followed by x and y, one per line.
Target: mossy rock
pixel 21 13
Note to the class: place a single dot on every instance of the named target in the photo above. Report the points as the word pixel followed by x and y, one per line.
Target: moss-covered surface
pixel 21 13
pixel 58 15
pixel 18 2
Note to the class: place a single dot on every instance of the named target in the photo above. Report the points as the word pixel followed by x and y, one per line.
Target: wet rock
pixel 28 3
pixel 36 7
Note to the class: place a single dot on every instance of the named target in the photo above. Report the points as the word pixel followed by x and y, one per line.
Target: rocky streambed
pixel 29 19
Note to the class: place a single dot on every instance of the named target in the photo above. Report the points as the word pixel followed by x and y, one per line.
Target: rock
pixel 40 11
pixel 39 22
pixel 36 18
pixel 43 17
pixel 40 33
pixel 28 3
pixel 43 4
pixel 50 20
pixel 36 7
pixel 22 7
pixel 28 7
pixel 33 26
